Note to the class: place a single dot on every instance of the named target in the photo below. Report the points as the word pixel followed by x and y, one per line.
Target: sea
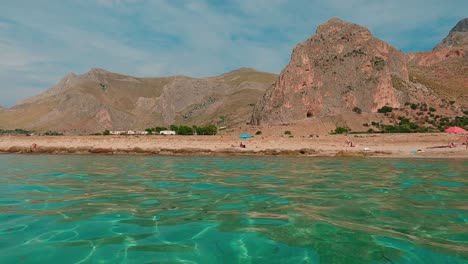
pixel 190 209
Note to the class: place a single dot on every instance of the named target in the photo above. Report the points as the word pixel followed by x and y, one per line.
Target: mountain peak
pixel 93 71
pixel 461 26
pixel 457 37
pixel 335 25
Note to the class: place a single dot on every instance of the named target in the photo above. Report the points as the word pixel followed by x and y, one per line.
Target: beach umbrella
pixel 456 130
pixel 245 136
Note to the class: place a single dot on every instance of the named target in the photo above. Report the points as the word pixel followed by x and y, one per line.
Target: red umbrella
pixel 456 130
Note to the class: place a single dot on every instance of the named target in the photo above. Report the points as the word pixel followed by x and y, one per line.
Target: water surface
pixel 140 209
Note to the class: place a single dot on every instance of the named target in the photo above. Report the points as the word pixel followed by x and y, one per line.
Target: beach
pixel 369 145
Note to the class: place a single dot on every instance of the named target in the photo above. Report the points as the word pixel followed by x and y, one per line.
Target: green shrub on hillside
pixel 342 130
pixel 385 109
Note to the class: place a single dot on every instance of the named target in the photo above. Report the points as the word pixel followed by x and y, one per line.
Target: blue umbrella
pixel 245 136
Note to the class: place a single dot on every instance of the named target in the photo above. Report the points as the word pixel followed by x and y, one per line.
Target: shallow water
pixel 135 209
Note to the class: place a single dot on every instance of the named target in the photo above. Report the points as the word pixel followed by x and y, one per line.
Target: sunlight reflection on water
pixel 232 210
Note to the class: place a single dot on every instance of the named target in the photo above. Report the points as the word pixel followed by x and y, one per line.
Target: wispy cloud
pixel 47 40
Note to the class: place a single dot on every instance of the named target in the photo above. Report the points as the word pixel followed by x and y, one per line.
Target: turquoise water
pixel 141 209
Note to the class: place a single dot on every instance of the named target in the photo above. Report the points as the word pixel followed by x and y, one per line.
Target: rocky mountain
pixel 343 68
pixel 457 37
pixel 100 99
pixel 444 70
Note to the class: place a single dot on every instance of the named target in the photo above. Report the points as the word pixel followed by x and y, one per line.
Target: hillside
pixel 99 99
pixel 445 69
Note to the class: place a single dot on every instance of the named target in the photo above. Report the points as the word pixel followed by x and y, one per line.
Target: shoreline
pixel 366 145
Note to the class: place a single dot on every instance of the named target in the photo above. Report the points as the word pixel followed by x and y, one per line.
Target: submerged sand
pixel 380 145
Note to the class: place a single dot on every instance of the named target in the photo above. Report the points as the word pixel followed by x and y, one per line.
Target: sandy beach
pixel 369 145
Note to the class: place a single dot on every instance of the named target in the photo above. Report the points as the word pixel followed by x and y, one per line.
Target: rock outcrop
pixel 340 68
pixel 99 100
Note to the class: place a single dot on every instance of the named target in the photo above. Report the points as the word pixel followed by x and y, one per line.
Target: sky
pixel 43 40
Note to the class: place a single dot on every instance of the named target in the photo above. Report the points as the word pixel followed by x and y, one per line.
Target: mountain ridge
pixel 100 99
pixel 340 70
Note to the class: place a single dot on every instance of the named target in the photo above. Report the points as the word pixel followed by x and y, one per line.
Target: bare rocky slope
pixel 99 100
pixel 343 69
pixel 445 69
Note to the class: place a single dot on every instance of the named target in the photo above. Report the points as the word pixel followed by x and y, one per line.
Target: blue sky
pixel 43 40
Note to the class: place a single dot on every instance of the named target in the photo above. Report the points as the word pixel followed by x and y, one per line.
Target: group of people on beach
pixel 463 139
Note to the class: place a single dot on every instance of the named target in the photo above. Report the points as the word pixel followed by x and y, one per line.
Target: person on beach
pixel 349 143
pixel 242 145
pixel 449 145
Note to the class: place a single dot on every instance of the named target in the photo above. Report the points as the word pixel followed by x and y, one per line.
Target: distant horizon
pixel 206 38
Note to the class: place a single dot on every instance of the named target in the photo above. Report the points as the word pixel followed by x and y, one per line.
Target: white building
pixel 129 132
pixel 117 132
pixel 167 132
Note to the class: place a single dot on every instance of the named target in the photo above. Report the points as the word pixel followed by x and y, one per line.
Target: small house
pixel 167 132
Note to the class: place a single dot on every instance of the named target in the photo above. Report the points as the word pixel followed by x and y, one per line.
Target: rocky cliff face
pixel 457 37
pixel 100 99
pixel 339 68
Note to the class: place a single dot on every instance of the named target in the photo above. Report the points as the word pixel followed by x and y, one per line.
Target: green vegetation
pixel 385 109
pixel 106 132
pixel 207 130
pixel 186 130
pixel 404 126
pixel 17 131
pixel 342 130
pixel 183 130
pixel 445 122
pixel 287 132
pixel 258 133
pixel 432 109
pixel 155 130
pixel 378 63
pixel 437 123
pixel 357 110
pixel 52 133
